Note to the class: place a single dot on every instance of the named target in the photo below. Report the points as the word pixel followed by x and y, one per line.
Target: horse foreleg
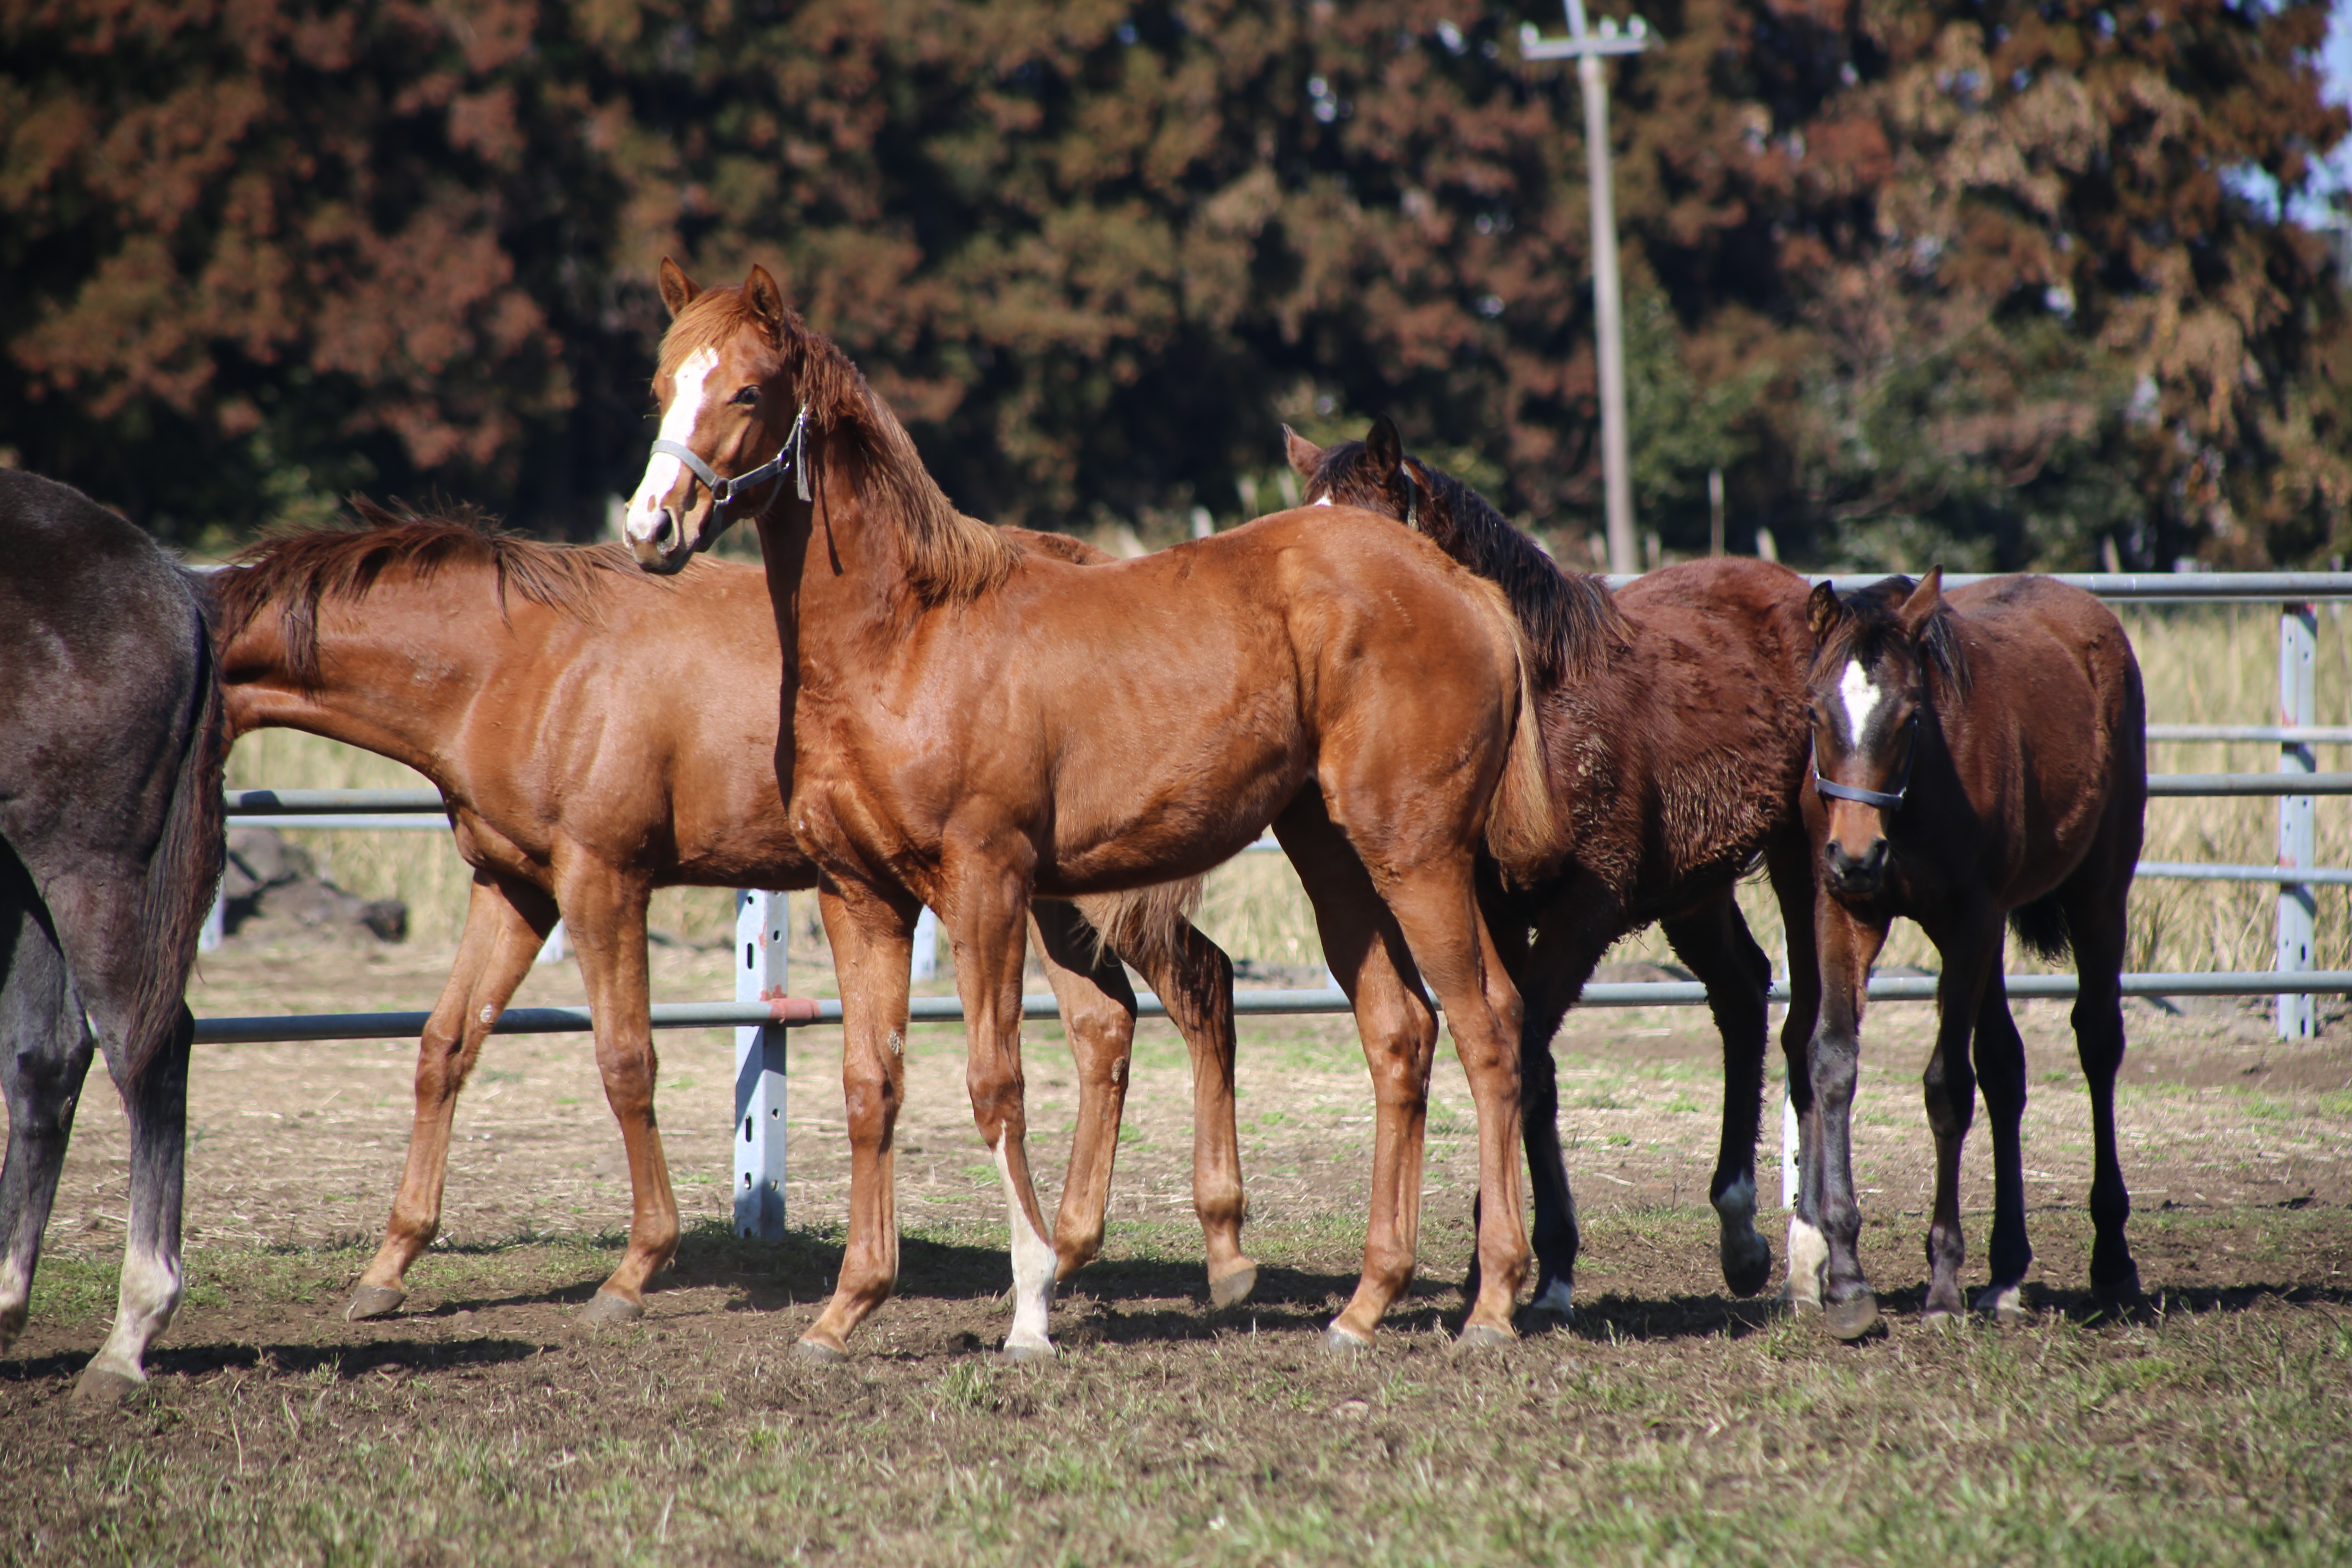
pixel 505 925
pixel 1573 933
pixel 44 1056
pixel 2000 1074
pixel 1366 953
pixel 1825 1236
pixel 982 907
pixel 872 934
pixel 606 911
pixel 1788 861
pixel 1098 1009
pixel 1194 981
pixel 1970 949
pixel 1715 941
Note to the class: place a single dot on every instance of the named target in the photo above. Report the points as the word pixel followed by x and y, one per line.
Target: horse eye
pixel 747 395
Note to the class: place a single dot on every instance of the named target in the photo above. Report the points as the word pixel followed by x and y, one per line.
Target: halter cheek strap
pixel 725 492
pixel 1884 800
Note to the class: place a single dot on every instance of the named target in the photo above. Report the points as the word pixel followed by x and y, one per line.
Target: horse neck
pixel 836 572
pixel 397 673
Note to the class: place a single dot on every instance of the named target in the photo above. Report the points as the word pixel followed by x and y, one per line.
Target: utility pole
pixel 1585 49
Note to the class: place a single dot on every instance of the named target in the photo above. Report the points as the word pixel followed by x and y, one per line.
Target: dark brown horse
pixel 1977 756
pixel 978 723
pixel 110 849
pixel 551 694
pixel 1668 714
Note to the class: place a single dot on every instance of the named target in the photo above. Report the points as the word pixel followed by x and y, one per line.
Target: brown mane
pixel 299 571
pixel 950 557
pixel 1870 627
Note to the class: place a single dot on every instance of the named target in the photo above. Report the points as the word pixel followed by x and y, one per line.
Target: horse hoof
pixel 1234 1288
pixel 1344 1342
pixel 1941 1318
pixel 1852 1319
pixel 371 1301
pixel 1482 1337
pixel 607 1309
pixel 1029 1354
pixel 103 1388
pixel 2004 1304
pixel 816 1353
pixel 2120 1293
pixel 1747 1273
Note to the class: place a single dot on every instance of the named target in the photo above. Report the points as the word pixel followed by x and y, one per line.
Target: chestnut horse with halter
pixel 977 723
pixel 1673 744
pixel 549 693
pixel 1975 756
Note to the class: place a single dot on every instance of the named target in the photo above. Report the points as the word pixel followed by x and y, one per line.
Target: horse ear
pixel 1384 448
pixel 1922 602
pixel 678 290
pixel 766 302
pixel 1303 453
pixel 1822 610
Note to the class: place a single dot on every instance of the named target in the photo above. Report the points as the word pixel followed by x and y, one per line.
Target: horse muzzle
pixel 1852 875
pixel 657 539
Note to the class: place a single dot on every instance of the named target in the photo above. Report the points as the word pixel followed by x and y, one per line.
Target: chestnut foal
pixel 978 724
pixel 1673 743
pixel 1974 756
pixel 549 691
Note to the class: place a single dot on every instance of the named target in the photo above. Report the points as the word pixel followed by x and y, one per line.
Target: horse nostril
pixel 665 529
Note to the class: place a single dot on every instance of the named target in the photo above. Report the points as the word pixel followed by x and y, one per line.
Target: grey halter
pixel 1885 800
pixel 724 493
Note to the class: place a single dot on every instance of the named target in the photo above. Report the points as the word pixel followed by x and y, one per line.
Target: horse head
pixel 1370 473
pixel 1875 651
pixel 733 416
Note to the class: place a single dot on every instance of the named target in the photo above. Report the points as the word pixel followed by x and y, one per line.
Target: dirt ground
pixel 2234 1142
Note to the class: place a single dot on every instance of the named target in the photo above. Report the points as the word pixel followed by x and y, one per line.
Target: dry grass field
pixel 1671 1424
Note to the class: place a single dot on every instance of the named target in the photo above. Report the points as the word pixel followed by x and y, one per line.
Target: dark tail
pixel 185 871
pixel 2042 926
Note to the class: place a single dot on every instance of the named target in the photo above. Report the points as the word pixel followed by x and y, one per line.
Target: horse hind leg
pixel 2096 926
pixel 44 1056
pixel 1715 942
pixel 1099 1010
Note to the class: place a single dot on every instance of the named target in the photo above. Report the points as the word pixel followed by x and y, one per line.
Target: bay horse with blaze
pixel 977 723
pixel 551 694
pixel 1976 755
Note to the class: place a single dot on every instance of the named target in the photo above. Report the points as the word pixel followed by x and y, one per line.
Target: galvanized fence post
pixel 926 962
pixel 761 936
pixel 2298 815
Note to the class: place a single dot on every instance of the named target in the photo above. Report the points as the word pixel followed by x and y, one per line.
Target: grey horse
pixel 111 847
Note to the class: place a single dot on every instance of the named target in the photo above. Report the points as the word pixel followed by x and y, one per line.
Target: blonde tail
pixel 1523 830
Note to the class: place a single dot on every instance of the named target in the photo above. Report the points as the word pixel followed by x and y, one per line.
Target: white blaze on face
pixel 1861 700
pixel 1320 500
pixel 677 425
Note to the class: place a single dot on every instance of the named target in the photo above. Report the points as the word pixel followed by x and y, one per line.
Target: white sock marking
pixel 677 425
pixel 1033 1264
pixel 151 1294
pixel 1861 700
pixel 1809 1259
pixel 15 1293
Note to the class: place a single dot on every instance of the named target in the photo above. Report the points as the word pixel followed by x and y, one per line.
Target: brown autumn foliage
pixel 1922 278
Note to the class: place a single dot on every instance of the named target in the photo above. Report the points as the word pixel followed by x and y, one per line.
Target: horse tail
pixel 1142 920
pixel 2042 926
pixel 1523 831
pixel 176 896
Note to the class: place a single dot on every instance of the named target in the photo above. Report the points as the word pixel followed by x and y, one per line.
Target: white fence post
pixel 926 965
pixel 215 929
pixel 761 938
pixel 2297 907
pixel 556 948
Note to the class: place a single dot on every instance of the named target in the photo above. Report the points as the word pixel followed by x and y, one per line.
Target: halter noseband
pixel 793 455
pixel 1884 800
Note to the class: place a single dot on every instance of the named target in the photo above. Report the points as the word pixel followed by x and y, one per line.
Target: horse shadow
pixel 348 1362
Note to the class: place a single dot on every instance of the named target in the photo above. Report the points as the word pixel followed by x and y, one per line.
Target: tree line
pixel 2001 283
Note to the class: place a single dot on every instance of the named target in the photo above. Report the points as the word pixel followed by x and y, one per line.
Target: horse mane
pixel 1871 625
pixel 299 571
pixel 950 558
pixel 1570 621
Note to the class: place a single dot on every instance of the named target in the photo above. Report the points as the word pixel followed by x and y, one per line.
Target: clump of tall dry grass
pixel 2202 666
